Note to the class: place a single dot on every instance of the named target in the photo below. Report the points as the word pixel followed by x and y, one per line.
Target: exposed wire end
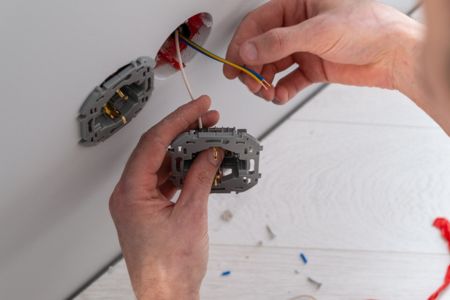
pixel 267 83
pixel 262 80
pixel 253 74
pixel 183 73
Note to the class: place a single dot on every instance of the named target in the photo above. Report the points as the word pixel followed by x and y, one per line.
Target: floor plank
pixel 277 273
pixel 366 193
pixel 338 103
pixel 344 186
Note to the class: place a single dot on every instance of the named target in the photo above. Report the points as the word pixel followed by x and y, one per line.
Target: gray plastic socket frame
pixel 114 103
pixel 239 170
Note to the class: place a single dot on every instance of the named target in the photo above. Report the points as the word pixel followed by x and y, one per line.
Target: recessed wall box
pixel 116 101
pixel 239 170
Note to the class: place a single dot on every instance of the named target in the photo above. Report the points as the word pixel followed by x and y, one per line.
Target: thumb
pixel 198 181
pixel 276 44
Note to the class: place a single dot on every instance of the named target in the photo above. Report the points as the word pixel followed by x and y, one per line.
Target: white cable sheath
pixel 183 73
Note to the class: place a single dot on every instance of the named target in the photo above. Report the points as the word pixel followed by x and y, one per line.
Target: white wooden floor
pixel 354 181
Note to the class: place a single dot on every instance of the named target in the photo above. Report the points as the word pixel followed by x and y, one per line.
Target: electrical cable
pixel 253 74
pixel 183 73
pixel 256 76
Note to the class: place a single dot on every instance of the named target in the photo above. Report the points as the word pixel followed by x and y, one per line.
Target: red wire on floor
pixel 444 226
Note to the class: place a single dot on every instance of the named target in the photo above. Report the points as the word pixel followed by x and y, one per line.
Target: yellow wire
pixel 222 60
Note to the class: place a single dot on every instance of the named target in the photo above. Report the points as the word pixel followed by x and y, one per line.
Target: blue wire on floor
pixel 303 258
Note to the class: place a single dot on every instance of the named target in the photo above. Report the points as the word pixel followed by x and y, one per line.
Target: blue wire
pixel 198 50
pixel 254 73
pixel 303 258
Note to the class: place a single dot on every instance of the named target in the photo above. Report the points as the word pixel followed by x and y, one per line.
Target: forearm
pixel 409 75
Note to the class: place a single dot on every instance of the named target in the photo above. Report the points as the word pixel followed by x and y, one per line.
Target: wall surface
pixel 55 229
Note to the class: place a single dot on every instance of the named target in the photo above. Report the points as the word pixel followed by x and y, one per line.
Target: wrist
pixel 166 292
pixel 158 283
pixel 165 278
pixel 406 71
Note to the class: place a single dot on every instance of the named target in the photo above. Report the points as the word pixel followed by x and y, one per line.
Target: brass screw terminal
pixel 122 94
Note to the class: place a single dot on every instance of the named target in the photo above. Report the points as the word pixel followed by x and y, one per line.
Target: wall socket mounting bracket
pixel 115 102
pixel 239 170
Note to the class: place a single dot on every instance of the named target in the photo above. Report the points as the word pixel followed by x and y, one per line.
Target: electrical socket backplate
pixel 115 102
pixel 239 170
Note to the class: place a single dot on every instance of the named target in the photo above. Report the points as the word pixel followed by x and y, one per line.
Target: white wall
pixel 55 229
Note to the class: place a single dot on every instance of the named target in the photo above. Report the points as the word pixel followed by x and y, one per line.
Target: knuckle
pixel 115 200
pixel 146 136
pixel 154 136
pixel 276 39
pixel 122 203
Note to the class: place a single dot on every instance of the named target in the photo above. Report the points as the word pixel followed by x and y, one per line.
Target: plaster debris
pixel 226 216
pixel 270 233
pixel 314 282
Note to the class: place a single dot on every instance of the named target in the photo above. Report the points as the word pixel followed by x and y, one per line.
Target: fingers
pixel 253 86
pixel 149 154
pixel 265 17
pixel 269 71
pixel 265 39
pixel 290 85
pixel 276 44
pixel 209 119
pixel 198 182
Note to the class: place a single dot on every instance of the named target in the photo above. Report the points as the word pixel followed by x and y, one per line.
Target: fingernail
pixel 249 51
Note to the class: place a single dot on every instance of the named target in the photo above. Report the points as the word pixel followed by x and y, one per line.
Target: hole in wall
pixel 198 28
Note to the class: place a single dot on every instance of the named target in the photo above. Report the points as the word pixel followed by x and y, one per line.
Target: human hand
pixel 356 42
pixel 165 245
